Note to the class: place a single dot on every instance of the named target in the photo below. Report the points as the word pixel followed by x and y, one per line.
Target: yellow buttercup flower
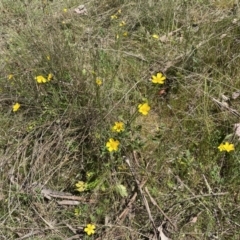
pixel 112 145
pixel 65 10
pixel 48 58
pixel 89 174
pixel 159 78
pixel 10 76
pixel 118 127
pixel 50 76
pixel 155 36
pixel 122 23
pixel 90 229
pixel 114 17
pixel 125 34
pixel 144 108
pixel 41 79
pixel 81 186
pixel 15 107
pixel 98 81
pixel 226 147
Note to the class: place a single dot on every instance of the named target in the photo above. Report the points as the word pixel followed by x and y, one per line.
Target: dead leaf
pixel 194 220
pixel 235 20
pixel 223 36
pixel 225 98
pixel 225 104
pixel 167 37
pixel 162 235
pixel 237 129
pixel 235 95
pixel 46 193
pixel 81 9
pixel 164 38
pixel 162 92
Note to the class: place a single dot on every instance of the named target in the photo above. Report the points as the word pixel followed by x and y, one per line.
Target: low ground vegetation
pixel 119 119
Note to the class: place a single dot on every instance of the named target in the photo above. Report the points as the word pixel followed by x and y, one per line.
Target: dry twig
pixel 222 105
pixel 143 197
pixel 155 204
pixel 125 212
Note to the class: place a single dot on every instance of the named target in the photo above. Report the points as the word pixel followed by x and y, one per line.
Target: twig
pixel 143 197
pixel 234 222
pixel 45 221
pixel 206 195
pixel 71 228
pixel 207 184
pixel 77 198
pixel 155 204
pixel 222 105
pixel 194 196
pixel 125 212
pixel 74 237
pixel 29 235
pixel 48 193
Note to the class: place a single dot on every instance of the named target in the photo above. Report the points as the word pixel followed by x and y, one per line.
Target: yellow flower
pixel 50 76
pixel 65 10
pixel 119 11
pixel 114 17
pixel 155 36
pixel 226 147
pixel 98 81
pixel 159 78
pixel 117 36
pixel 144 108
pixel 48 58
pixel 118 127
pixel 112 145
pixel 10 76
pixel 15 107
pixel 90 229
pixel 125 34
pixel 81 186
pixel 122 23
pixel 41 79
pixel 89 174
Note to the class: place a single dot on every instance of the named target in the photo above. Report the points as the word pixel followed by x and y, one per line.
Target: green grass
pixel 58 135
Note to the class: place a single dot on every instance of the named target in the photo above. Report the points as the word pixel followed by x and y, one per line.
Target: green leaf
pixel 122 190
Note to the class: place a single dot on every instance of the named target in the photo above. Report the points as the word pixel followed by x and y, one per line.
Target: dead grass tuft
pixel 168 177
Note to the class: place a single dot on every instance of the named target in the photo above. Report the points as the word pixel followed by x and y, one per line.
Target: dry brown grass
pixel 58 135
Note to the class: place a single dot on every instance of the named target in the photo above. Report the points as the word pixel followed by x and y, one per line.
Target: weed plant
pixel 124 93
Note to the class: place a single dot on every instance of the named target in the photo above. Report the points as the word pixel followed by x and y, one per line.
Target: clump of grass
pixel 96 105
